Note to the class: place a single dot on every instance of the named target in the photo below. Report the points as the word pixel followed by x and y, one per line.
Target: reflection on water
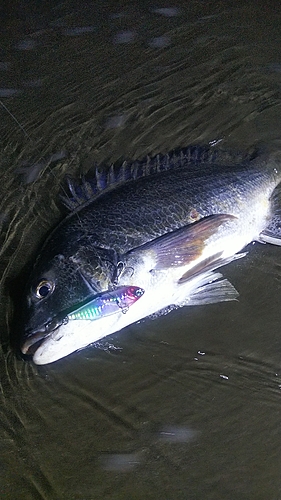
pixel 120 462
pixel 185 406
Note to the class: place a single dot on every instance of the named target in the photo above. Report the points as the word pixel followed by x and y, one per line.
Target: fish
pixel 164 224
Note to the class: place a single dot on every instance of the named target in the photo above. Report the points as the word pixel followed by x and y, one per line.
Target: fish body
pixel 165 227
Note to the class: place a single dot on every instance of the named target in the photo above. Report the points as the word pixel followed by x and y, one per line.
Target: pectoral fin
pixel 213 262
pixel 182 246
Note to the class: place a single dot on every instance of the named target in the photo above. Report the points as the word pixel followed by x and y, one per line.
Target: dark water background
pixel 186 406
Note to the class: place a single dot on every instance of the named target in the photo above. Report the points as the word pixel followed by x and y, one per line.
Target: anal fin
pixel 272 233
pixel 212 292
pixel 211 288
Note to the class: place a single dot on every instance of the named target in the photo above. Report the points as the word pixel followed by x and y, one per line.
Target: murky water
pixel 186 406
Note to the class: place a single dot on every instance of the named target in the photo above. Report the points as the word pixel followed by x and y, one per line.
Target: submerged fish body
pixel 163 225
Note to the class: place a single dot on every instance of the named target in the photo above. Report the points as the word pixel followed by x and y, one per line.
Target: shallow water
pixel 185 406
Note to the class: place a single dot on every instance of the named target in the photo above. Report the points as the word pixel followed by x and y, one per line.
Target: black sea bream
pixel 164 225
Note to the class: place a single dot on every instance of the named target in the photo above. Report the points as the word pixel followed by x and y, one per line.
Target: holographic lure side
pixel 107 303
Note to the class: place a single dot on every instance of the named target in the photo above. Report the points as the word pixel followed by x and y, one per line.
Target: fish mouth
pixel 35 338
pixel 31 345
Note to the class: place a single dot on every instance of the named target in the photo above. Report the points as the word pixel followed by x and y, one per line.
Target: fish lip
pixel 35 338
pixel 30 346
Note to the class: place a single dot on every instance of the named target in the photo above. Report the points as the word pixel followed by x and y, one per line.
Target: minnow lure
pixel 108 303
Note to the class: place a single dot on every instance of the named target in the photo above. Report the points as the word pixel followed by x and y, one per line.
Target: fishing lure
pixel 107 303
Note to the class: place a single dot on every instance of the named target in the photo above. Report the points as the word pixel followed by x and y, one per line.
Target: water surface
pixel 186 406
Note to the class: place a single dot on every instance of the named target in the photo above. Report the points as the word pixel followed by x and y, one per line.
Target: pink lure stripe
pixel 107 303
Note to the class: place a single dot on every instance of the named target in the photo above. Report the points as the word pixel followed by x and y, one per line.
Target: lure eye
pixel 44 288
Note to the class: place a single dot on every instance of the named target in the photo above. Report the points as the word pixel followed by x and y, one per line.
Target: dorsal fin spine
pixel 106 179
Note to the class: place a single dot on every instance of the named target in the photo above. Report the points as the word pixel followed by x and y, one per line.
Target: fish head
pixel 58 283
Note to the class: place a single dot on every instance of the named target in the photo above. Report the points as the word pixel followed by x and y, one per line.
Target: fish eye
pixel 44 288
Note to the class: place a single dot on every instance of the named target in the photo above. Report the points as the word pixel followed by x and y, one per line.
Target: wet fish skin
pixel 84 253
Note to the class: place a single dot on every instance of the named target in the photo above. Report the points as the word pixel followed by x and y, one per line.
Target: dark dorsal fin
pixel 105 179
